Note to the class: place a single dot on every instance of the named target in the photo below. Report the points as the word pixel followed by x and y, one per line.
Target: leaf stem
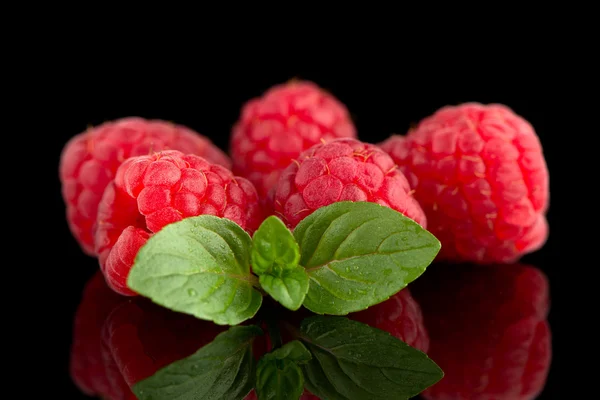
pixel 253 279
pixel 274 333
pixel 297 334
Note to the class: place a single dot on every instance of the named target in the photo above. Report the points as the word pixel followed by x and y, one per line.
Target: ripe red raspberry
pixel 152 191
pixel 89 161
pixel 343 169
pixel 275 128
pixel 488 331
pixel 401 316
pixel 479 173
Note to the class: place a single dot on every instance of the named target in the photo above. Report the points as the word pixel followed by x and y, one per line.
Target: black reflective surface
pixel 120 340
pixel 487 328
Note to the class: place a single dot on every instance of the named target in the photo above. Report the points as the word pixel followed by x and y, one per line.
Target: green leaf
pixel 293 350
pixel 275 255
pixel 278 376
pixel 199 266
pixel 223 369
pixel 358 254
pixel 274 248
pixel 353 361
pixel 289 289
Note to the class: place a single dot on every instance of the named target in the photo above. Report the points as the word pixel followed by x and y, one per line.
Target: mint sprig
pixel 342 258
pixel 223 369
pixel 278 373
pixel 199 266
pixel 275 255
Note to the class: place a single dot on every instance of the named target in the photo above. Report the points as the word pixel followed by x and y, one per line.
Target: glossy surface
pixel 487 326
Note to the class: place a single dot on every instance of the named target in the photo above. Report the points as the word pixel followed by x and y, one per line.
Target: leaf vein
pixel 248 278
pixel 227 304
pixel 330 380
pixel 350 233
pixel 237 261
pixel 287 290
pixel 197 240
pixel 328 266
pixel 324 234
pixel 383 241
pixel 211 290
pixel 367 255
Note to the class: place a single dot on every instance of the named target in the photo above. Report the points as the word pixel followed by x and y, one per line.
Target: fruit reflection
pixel 486 326
pixel 488 330
pixel 119 341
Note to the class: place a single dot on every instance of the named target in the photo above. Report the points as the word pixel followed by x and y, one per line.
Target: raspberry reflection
pixel 488 330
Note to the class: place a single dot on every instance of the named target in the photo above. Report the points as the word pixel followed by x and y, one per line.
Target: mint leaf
pixel 353 361
pixel 358 254
pixel 293 350
pixel 289 289
pixel 223 369
pixel 275 255
pixel 199 266
pixel 278 376
pixel 274 248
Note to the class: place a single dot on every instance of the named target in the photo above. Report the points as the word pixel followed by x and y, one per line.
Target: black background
pixel 382 100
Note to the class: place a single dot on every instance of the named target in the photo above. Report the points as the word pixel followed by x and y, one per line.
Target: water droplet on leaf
pixel 192 292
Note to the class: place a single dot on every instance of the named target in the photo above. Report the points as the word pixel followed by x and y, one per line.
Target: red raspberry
pixel 274 129
pixel 343 169
pixel 479 173
pixel 89 161
pixel 152 191
pixel 401 316
pixel 488 331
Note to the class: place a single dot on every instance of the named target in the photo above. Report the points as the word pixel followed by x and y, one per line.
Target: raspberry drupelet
pixel 342 170
pixel 150 192
pixel 480 175
pixel 275 128
pixel 90 160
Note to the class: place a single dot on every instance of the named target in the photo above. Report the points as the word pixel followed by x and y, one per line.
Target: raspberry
pixel 86 364
pixel 479 173
pixel 89 161
pixel 343 169
pixel 274 129
pixel 149 192
pixel 488 330
pixel 401 316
